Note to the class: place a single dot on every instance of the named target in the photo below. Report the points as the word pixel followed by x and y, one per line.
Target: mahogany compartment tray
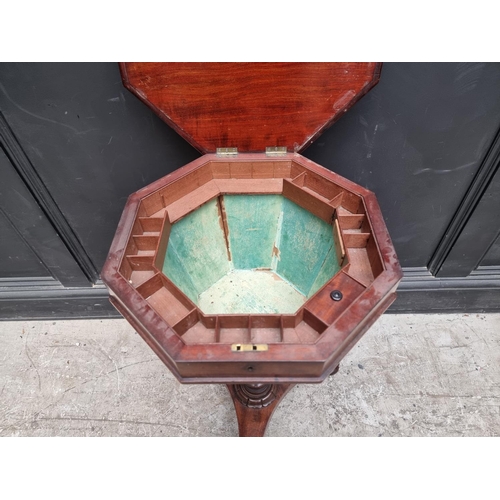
pixel 305 345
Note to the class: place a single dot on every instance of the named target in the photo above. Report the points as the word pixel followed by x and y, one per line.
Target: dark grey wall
pixel 91 142
pixel 17 259
pixel 492 257
pixel 417 140
pixel 75 143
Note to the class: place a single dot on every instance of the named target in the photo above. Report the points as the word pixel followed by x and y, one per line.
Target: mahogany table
pixel 251 266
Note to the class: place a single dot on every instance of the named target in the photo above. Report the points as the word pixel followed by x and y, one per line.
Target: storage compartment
pixel 250 254
pixel 252 262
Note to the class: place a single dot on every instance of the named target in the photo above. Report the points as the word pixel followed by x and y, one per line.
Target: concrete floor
pixel 411 375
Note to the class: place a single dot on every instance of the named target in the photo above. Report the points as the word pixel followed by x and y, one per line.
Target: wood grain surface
pixel 250 105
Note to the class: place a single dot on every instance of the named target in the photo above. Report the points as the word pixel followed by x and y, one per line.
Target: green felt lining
pixel 264 232
pixel 198 242
pixel 304 244
pixel 252 222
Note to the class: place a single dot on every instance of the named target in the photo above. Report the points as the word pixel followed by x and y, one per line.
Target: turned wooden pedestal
pixel 255 405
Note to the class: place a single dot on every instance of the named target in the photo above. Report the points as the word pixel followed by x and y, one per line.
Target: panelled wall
pixel 75 143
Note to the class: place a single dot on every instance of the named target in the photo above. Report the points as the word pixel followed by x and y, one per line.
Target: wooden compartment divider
pixel 253 329
pixel 165 298
pixel 185 185
pixel 131 248
pixel 137 268
pixel 265 329
pixel 355 239
pixel 191 201
pixel 234 329
pixel 282 337
pixel 296 170
pixel 177 294
pixel 250 186
pixel 308 201
pixel 150 286
pixel 337 200
pixel 140 262
pixel 196 328
pixel 151 225
pixel 376 264
pixel 267 169
pixel 292 320
pixel 351 221
pixel 307 329
pixel 217 329
pixel 161 249
pixel 356 250
pixel 146 242
pixel 360 268
pixel 313 183
pixel 338 242
pixel 316 183
pixel 299 179
pixel 126 269
pixel 208 321
pixel 361 250
pixel 187 322
pixel 137 228
pixel 152 204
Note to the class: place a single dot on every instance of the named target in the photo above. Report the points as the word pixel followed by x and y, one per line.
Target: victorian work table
pixel 251 266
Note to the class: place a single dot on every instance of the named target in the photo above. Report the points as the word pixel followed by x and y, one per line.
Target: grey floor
pixel 410 375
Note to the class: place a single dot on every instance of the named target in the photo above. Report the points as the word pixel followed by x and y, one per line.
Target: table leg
pixel 255 404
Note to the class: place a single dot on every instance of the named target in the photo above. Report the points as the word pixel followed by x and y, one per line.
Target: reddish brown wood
pixel 327 309
pixel 302 348
pixel 318 185
pixel 250 186
pixel 359 266
pixel 146 242
pixel 311 202
pixel 161 249
pixel 192 201
pixel 339 244
pixel 355 239
pixel 255 405
pixel 150 225
pixel 351 221
pixel 250 105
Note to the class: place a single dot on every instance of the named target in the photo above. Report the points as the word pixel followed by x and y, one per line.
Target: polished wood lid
pixel 250 106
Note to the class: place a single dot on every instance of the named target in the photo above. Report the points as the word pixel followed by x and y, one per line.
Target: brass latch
pixel 248 347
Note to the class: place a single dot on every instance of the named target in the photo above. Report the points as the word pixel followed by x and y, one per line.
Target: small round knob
pixel 336 295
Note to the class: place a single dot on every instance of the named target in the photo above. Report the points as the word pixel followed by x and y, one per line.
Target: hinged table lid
pixel 250 106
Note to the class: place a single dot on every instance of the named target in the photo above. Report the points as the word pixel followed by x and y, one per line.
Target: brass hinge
pixel 227 151
pixel 276 150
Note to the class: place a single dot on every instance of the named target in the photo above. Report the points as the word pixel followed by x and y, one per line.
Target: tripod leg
pixel 255 404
